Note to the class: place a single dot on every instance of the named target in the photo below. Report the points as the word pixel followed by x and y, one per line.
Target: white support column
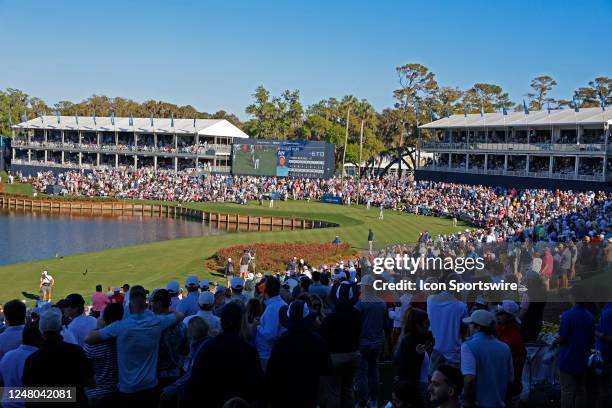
pixel 116 161
pixel 485 163
pixel 467 160
pixel 175 164
pixel 155 163
pixel 29 156
pixel 135 162
pixel 14 153
pixel 576 164
pixel 527 162
pixel 98 159
pixel 80 138
pixel 80 158
pixel 450 160
pixel 62 133
pixel 62 157
pixel 550 167
pixel 505 163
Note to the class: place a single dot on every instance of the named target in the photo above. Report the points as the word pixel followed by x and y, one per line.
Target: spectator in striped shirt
pixel 103 358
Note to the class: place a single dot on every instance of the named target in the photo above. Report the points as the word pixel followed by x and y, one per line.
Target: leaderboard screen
pixel 283 158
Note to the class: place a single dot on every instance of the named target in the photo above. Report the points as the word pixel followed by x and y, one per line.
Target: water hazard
pixel 27 236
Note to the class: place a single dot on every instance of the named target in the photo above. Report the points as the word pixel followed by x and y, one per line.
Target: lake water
pixel 27 236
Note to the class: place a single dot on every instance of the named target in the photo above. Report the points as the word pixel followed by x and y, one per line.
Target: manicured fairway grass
pixel 17 188
pixel 153 264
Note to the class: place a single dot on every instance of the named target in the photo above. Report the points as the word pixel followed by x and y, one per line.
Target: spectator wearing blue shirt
pixel 269 328
pixel 13 362
pixel 604 344
pixel 189 305
pixel 138 337
pixel 576 338
pixel 14 313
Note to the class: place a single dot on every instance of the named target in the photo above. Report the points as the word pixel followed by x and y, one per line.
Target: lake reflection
pixel 27 236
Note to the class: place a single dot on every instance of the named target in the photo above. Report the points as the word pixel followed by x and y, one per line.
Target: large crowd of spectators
pixel 314 336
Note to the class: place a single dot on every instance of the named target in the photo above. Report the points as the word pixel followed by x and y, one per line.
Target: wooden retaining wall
pixel 116 208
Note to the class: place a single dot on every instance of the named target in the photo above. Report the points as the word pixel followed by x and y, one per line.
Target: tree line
pixel 390 133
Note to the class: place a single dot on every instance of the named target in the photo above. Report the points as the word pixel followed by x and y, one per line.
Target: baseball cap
pixel 481 317
pixel 204 284
pixel 50 320
pixel 206 298
pixel 173 286
pixel 345 292
pixel 116 290
pixel 220 289
pixel 510 307
pixel 192 281
pixel 237 283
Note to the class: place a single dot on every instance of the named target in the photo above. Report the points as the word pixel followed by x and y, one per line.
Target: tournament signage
pixel 283 158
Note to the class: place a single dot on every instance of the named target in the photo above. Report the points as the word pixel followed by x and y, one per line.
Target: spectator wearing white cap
pixel 206 300
pixel 237 286
pixel 508 330
pixel 173 288
pixel 189 305
pixel 486 363
pixel 67 362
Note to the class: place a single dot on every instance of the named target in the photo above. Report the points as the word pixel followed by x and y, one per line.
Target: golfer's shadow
pixel 30 296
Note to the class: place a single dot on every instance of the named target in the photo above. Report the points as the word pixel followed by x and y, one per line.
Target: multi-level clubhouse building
pixel 63 142
pixel 552 149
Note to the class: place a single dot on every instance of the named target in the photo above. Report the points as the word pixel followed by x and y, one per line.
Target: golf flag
pixel 525 109
pixel 57 115
pixel 131 120
pixel 575 103
pixel 113 118
pixel 172 120
pixel 602 100
pixel 504 110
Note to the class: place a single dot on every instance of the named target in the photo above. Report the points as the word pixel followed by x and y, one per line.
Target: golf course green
pixel 153 264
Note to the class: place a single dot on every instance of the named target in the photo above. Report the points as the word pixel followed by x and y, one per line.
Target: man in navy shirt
pixel 604 344
pixel 576 337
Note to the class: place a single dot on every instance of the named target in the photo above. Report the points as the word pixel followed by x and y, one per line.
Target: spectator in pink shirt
pixel 547 267
pixel 98 302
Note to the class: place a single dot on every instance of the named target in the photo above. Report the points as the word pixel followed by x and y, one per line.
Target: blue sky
pixel 213 54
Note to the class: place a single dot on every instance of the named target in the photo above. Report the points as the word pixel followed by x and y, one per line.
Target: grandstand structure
pixel 69 142
pixel 568 148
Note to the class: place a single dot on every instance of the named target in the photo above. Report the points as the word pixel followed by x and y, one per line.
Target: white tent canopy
pixel 206 127
pixel 568 117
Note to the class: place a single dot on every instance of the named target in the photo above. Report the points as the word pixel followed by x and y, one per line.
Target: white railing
pixel 520 173
pixel 531 147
